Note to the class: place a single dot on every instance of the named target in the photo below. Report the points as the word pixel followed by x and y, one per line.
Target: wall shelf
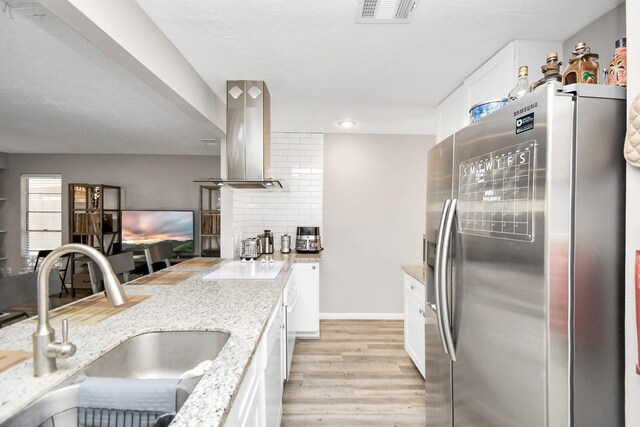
pixel 209 221
pixel 95 214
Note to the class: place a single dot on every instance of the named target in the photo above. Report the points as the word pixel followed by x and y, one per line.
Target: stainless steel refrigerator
pixel 525 265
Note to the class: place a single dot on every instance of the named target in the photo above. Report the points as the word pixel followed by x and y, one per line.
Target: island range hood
pixel 248 137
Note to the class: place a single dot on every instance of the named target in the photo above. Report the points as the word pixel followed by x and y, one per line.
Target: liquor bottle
pixel 551 71
pixel 522 87
pixel 617 72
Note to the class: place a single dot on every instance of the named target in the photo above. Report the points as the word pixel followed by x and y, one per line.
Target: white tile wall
pixel 296 158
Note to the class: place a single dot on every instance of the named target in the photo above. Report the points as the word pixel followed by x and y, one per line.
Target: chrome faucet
pixel 45 349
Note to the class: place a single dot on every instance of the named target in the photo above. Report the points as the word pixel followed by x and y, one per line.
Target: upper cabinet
pixel 492 80
pixel 448 114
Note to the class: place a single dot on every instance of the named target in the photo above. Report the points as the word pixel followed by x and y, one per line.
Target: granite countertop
pixel 415 271
pixel 240 307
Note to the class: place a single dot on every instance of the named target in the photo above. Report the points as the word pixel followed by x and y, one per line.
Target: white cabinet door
pixel 259 399
pixel 451 114
pixel 248 406
pixel 273 370
pixel 414 318
pixel 255 416
pixel 494 79
pixel 307 311
pixel 291 298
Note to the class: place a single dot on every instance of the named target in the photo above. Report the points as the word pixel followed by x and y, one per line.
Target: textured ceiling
pixel 60 94
pixel 321 67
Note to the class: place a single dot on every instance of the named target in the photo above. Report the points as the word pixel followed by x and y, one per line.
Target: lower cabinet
pixel 414 318
pixel 273 374
pixel 259 399
pixel 307 311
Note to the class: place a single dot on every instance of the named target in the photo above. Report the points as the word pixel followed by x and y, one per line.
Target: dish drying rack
pixel 101 417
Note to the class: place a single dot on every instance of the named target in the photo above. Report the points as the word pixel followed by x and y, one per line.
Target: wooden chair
pixel 158 253
pixel 120 263
pixel 64 260
pixel 21 289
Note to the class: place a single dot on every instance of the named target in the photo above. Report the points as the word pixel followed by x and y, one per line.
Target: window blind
pixel 41 214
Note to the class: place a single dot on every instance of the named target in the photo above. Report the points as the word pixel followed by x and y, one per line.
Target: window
pixel 41 214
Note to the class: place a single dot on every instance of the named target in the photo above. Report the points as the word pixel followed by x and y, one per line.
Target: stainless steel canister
pixel 285 244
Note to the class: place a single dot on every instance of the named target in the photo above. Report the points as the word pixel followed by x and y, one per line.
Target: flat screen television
pixel 141 229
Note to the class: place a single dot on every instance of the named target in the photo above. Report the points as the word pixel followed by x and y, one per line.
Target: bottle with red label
pixel 617 72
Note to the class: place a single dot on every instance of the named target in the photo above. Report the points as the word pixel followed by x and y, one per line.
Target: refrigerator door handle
pixel 437 270
pixel 443 302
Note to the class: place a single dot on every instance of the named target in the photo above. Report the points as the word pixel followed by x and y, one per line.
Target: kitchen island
pixel 239 307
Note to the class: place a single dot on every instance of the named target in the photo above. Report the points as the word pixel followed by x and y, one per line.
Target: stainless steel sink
pixel 58 407
pixel 149 355
pixel 158 354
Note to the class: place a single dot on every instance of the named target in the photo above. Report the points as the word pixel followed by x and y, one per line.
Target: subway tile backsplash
pixel 297 159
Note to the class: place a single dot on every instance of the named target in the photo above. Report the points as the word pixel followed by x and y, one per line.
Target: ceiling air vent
pixel 385 11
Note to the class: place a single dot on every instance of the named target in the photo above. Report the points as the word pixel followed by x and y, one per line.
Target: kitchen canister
pixel 285 244
pixel 483 109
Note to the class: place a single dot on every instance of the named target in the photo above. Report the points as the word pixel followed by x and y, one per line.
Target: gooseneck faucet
pixel 45 349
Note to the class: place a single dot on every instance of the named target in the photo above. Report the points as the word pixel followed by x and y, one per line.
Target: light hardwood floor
pixel 356 374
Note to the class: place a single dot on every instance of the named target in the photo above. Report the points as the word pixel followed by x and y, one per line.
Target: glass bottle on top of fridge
pixel 617 71
pixel 551 71
pixel 522 86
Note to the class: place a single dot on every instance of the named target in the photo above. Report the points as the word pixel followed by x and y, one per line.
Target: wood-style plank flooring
pixel 356 374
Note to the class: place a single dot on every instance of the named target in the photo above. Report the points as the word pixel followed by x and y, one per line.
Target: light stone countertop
pixel 240 307
pixel 415 271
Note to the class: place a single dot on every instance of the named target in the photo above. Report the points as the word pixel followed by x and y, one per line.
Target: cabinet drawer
pixel 414 287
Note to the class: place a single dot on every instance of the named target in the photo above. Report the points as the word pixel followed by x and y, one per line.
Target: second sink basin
pixel 158 354
pixel 145 356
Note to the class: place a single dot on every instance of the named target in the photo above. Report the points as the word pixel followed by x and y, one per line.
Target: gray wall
pixel 374 217
pixel 147 181
pixel 600 35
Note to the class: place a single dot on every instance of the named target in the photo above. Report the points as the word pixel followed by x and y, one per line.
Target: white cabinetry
pixel 248 408
pixel 307 312
pixel 259 399
pixel 273 386
pixel 492 80
pixel 449 119
pixel 414 304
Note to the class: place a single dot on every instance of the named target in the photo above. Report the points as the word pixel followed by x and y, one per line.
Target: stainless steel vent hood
pixel 248 137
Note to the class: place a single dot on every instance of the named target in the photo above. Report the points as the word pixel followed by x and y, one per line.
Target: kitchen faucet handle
pixel 65 330
pixel 63 349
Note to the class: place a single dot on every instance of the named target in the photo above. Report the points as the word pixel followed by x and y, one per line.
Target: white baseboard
pixel 361 316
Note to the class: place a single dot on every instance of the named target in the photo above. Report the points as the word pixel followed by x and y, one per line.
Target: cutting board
pixel 171 277
pixel 9 358
pixel 91 310
pixel 198 263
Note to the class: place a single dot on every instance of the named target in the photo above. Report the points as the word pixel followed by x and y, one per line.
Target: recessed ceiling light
pixel 347 123
pixel 220 184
